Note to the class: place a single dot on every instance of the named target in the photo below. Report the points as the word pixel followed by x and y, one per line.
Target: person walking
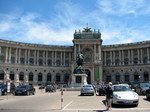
pixel 109 96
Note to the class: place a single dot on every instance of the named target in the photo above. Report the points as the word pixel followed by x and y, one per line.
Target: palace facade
pixel 38 64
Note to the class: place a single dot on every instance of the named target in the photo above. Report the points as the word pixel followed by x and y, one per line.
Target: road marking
pixel 112 109
pixel 67 105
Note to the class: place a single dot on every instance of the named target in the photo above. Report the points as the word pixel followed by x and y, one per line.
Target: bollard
pixel 61 97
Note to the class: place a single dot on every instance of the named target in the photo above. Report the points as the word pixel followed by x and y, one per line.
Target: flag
pixel 97 74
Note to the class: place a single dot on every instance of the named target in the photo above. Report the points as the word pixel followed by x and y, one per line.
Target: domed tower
pixel 89 42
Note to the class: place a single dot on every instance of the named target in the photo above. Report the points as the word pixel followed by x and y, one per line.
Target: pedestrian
pixel 109 96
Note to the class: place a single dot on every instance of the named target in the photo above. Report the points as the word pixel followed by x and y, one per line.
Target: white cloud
pixel 67 17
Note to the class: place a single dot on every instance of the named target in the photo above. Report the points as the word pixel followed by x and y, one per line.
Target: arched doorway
pixel 88 73
pixel 1 75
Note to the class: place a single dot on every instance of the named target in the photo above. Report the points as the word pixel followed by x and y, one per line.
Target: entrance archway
pixel 88 73
pixel 1 75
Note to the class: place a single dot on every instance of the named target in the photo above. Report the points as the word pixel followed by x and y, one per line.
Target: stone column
pixel 9 55
pixel 6 55
pixel 46 57
pixel 61 62
pixel 99 52
pixel 6 76
pixel 28 56
pixel 148 61
pixel 94 53
pixel 132 56
pixel 114 58
pixel 26 78
pixel 111 58
pixel 105 58
pixel 79 49
pixel 69 58
pixel 52 58
pixel 55 57
pixel 35 57
pixel 25 56
pixel 138 53
pixel 16 56
pixel 64 58
pixel 120 57
pixel 44 78
pixel 16 78
pixel 129 57
pixel 35 78
pixel 141 55
pixel 75 49
pixel 19 56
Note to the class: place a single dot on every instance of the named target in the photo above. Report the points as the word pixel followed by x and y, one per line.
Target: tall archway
pixel 49 77
pixel 1 75
pixel 12 75
pixel 88 73
pixel 146 76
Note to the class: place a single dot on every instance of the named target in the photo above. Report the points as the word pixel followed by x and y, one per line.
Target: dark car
pixel 24 90
pixel 50 88
pixel 41 87
pixel 101 90
pixel 148 93
pixel 3 88
pixel 142 87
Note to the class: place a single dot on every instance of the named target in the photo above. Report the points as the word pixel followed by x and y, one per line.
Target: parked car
pixel 101 90
pixel 87 89
pixel 3 88
pixel 141 88
pixel 124 95
pixel 41 87
pixel 148 93
pixel 50 88
pixel 24 90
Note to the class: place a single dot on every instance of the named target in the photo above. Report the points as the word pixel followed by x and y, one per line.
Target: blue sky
pixel 53 22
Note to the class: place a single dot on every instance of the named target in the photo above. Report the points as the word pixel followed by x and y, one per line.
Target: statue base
pixel 78 80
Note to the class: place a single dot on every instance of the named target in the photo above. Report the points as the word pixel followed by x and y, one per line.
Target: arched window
pixel 1 75
pixel 126 77
pixel 136 76
pixel 117 77
pixel 40 76
pixel 57 77
pixel 49 77
pixel 87 52
pixel 21 76
pixel 66 77
pixel 146 76
pixel 30 76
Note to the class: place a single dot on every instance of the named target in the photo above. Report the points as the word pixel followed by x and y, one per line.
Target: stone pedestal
pixel 79 79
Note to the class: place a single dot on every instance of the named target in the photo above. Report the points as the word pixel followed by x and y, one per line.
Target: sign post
pixel 61 97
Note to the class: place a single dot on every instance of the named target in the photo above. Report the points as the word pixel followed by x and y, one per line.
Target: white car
pixel 87 89
pixel 124 95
